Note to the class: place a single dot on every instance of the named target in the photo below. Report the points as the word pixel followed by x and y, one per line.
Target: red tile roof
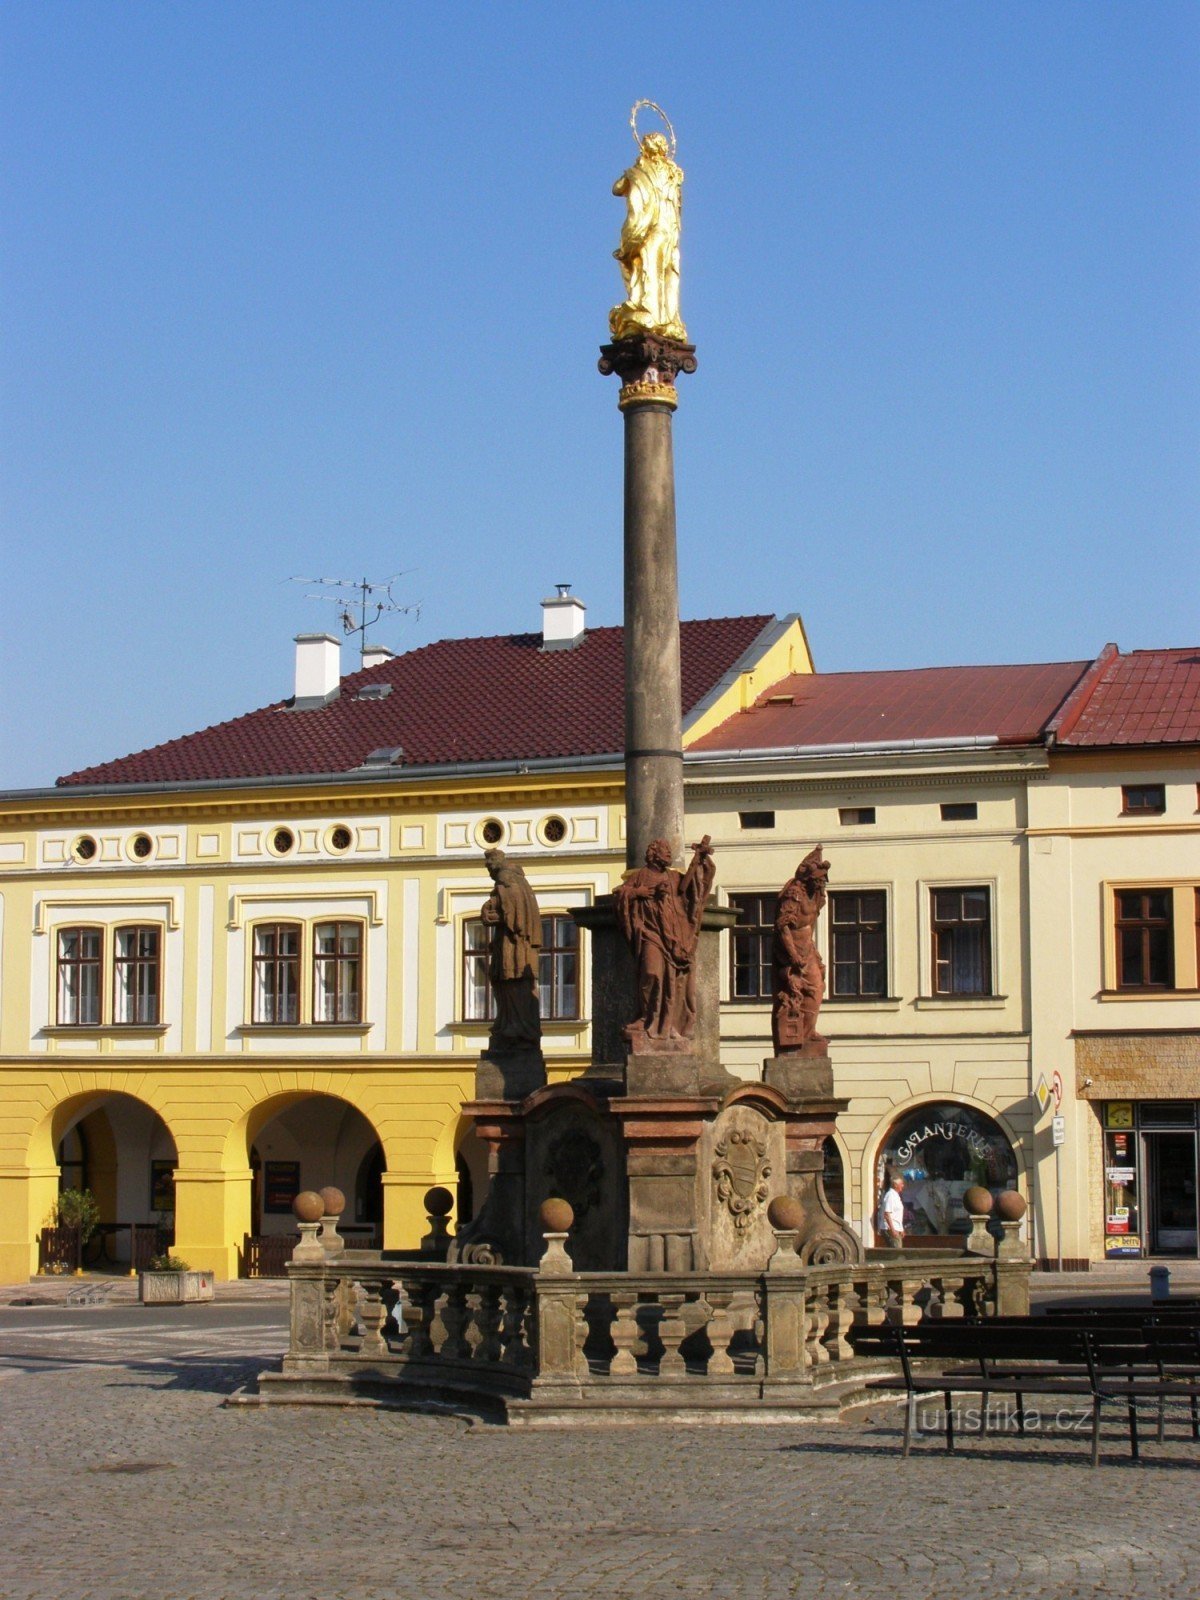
pixel 1012 704
pixel 457 701
pixel 1147 697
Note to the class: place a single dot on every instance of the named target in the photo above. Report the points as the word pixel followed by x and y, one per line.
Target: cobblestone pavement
pixel 126 1478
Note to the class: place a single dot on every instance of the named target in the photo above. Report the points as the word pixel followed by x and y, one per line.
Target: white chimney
pixel 318 670
pixel 374 655
pixel 563 618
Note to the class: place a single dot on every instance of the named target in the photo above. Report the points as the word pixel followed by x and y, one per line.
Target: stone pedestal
pixel 687 1067
pixel 509 1075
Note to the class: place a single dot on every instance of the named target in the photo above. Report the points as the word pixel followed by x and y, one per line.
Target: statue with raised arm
pixel 511 913
pixel 649 248
pixel 659 910
pixel 798 971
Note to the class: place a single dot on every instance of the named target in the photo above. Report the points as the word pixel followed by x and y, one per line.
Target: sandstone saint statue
pixel 798 971
pixel 659 911
pixel 649 248
pixel 511 913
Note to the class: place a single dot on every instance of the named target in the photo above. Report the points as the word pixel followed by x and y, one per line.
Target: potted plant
pixel 168 1281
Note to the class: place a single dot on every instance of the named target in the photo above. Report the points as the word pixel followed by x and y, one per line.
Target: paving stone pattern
pixel 126 1477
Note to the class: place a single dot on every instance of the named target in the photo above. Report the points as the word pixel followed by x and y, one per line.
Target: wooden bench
pixel 1029 1357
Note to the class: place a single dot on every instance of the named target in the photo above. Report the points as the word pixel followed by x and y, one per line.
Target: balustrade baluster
pixel 581 1335
pixel 331 1313
pixel 371 1312
pixel 455 1313
pixel 672 1330
pixel 841 1316
pixel 417 1317
pixel 625 1333
pixel 488 1324
pixel 720 1332
pixel 816 1316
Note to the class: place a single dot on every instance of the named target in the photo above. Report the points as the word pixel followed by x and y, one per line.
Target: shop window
pixel 1144 939
pixel 337 972
pixel 750 946
pixel 277 973
pixel 136 976
pixel 962 941
pixel 558 969
pixel 941 1150
pixel 1143 799
pixel 858 943
pixel 80 952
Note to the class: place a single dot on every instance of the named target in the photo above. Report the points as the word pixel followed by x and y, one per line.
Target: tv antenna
pixel 361 601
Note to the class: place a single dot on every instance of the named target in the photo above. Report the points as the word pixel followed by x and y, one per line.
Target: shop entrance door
pixel 1170 1165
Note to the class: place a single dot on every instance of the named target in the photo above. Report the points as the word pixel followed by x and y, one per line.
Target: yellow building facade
pixel 141 927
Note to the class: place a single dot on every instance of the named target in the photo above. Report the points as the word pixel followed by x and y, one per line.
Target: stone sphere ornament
pixel 785 1214
pixel 1010 1206
pixel 308 1206
pixel 978 1200
pixel 334 1201
pixel 555 1216
pixel 439 1202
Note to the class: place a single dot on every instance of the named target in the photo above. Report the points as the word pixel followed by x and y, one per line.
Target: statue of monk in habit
pixel 799 972
pixel 659 911
pixel 511 912
pixel 649 248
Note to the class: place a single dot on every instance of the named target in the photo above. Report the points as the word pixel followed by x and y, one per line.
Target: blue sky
pixel 309 288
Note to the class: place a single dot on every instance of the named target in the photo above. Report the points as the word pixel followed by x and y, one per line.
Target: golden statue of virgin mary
pixel 649 248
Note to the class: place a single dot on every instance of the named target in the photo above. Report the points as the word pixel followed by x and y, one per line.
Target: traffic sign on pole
pixel 1058 1130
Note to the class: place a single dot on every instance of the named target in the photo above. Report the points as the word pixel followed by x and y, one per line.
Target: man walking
pixel 890 1227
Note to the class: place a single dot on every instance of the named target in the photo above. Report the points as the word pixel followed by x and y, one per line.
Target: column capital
pixel 648 367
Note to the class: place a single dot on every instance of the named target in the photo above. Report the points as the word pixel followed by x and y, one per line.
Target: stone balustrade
pixel 533 1341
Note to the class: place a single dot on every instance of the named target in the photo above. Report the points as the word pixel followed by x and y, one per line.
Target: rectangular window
pixel 277 972
pixel 337 972
pixel 477 991
pixel 858 943
pixel 135 976
pixel 856 816
pixel 1144 939
pixel 756 819
pixel 750 946
pixel 962 942
pixel 1143 799
pixel 558 969
pixel 79 956
pixel 960 811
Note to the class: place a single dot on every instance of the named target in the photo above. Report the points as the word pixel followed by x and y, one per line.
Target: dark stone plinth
pixel 801 1074
pixel 509 1075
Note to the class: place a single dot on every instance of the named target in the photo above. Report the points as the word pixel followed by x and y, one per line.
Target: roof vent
pixel 563 618
pixel 318 670
pixel 374 691
pixel 781 699
pixel 390 755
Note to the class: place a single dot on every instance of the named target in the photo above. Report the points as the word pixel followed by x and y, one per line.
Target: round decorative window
pixel 941 1150
pixel 84 848
pixel 283 841
pixel 340 838
pixel 141 846
pixel 553 830
pixel 492 831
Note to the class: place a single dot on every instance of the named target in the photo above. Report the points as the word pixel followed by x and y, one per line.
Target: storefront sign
pixel 1129 1245
pixel 1118 1114
pixel 944 1130
pixel 1118 1222
pixel 1121 1174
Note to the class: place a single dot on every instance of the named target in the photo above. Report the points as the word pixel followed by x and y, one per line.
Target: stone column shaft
pixel 653 743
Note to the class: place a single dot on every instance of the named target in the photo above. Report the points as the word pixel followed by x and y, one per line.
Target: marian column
pixel 648 351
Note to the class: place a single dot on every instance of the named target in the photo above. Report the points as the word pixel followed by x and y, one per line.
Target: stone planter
pixel 174 1288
